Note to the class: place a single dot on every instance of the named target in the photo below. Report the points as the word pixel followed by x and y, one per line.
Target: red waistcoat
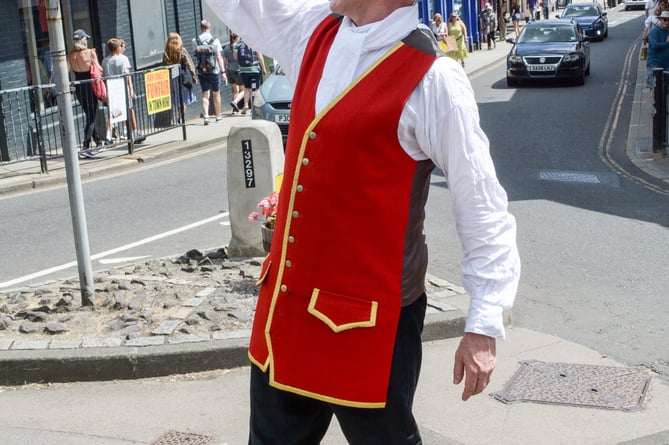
pixel 348 247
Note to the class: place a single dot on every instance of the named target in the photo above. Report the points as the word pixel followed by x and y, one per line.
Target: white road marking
pixel 112 251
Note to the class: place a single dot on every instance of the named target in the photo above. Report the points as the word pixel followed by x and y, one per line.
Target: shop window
pixel 149 31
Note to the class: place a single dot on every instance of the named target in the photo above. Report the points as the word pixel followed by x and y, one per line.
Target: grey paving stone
pixel 204 293
pixel 182 313
pixel 440 305
pixel 242 333
pixel 30 344
pixel 439 282
pixel 5 344
pixel 101 342
pixel 186 338
pixel 179 281
pixel 194 302
pixel 137 277
pixel 444 293
pixel 65 344
pixel 146 341
pixel 166 327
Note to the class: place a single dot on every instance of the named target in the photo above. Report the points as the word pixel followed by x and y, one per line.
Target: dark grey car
pixel 549 50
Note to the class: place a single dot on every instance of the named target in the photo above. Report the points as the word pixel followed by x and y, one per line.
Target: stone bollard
pixel 255 160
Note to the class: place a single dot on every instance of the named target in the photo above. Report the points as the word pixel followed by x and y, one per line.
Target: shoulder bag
pixel 187 80
pixel 98 83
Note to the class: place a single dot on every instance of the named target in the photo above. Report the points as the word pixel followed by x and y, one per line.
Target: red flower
pixel 268 208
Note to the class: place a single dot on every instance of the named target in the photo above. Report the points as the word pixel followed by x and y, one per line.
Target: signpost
pixel 75 192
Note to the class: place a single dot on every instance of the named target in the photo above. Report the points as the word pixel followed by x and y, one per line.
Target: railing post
pixel 180 101
pixel 36 96
pixel 659 110
pixel 664 132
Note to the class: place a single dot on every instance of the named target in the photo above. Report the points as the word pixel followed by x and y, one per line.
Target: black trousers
pixel 89 104
pixel 283 418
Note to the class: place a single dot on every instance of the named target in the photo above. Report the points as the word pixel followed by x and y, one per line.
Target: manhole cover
pixel 608 387
pixel 567 176
pixel 177 438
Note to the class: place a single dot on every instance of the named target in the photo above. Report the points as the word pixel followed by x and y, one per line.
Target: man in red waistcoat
pixel 342 299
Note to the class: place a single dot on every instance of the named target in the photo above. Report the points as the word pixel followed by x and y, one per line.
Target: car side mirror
pixel 511 40
pixel 604 13
pixel 557 16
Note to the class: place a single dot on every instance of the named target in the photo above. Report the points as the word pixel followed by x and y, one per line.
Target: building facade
pixel 144 24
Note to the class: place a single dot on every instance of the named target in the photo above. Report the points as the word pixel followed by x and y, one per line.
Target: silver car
pixel 634 4
pixel 273 99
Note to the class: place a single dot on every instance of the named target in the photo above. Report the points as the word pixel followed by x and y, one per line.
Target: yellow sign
pixel 158 97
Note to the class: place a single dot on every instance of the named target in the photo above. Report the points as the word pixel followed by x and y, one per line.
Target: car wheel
pixel 606 34
pixel 627 8
pixel 511 82
pixel 587 70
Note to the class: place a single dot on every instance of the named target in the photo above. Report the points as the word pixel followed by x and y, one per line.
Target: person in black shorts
pixel 234 77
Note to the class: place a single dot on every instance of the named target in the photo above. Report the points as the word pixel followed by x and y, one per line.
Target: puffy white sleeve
pixel 277 28
pixel 441 122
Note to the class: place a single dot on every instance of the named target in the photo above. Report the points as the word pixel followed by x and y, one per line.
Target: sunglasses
pixel 663 19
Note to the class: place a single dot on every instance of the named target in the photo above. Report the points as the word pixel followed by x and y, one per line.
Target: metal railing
pixel 30 126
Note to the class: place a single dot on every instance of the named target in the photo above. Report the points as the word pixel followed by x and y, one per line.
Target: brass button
pixel 296 214
pixel 284 288
pixel 312 135
pixel 291 239
pixel 305 161
pixel 289 263
pixel 300 188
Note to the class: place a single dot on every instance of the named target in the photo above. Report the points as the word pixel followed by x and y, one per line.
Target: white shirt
pixel 440 121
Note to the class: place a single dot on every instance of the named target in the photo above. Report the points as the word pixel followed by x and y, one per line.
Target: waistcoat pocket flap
pixel 341 312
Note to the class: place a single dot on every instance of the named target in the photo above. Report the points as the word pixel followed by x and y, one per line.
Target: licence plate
pixel 541 67
pixel 282 118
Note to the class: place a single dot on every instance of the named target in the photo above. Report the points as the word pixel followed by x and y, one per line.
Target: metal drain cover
pixel 567 176
pixel 177 438
pixel 608 387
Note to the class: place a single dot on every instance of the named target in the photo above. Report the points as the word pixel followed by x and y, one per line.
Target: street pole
pixel 75 192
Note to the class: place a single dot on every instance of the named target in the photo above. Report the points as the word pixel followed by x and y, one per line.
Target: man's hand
pixel 475 358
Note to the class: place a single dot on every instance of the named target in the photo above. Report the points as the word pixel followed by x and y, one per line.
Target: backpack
pixel 244 55
pixel 205 56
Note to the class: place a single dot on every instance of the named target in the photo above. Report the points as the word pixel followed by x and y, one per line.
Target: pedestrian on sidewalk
pixel 337 327
pixel 501 20
pixel 438 27
pixel 488 25
pixel 115 65
pixel 251 68
pixel 457 29
pixel 209 69
pixel 79 61
pixel 515 16
pixel 176 54
pixel 232 72
pixel 658 50
pixel 547 9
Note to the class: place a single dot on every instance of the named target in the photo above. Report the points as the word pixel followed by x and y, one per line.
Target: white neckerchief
pixel 356 48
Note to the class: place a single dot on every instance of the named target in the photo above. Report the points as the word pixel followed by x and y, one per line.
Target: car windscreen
pixel 580 11
pixel 277 88
pixel 546 34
